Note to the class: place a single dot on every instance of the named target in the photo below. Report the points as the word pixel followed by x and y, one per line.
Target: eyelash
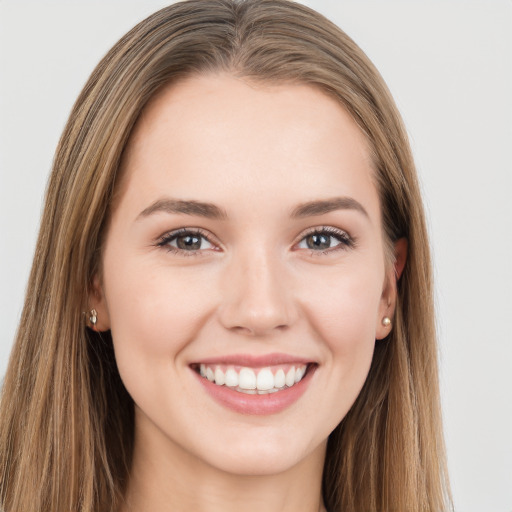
pixel 344 239
pixel 165 240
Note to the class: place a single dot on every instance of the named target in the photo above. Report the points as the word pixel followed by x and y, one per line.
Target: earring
pixel 386 321
pixel 93 318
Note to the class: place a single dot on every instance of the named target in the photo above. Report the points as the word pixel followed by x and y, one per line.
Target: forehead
pixel 220 136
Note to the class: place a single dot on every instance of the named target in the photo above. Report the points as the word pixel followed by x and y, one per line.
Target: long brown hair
pixel 66 421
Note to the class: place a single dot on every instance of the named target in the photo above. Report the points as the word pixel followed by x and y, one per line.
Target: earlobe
pixel 389 294
pixel 384 325
pixel 97 316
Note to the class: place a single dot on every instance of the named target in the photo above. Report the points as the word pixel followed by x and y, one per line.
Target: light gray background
pixel 448 64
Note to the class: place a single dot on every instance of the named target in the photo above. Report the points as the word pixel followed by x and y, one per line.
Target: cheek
pixel 154 313
pixel 345 310
pixel 344 321
pixel 343 315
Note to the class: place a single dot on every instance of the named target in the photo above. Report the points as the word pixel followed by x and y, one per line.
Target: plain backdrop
pixel 449 66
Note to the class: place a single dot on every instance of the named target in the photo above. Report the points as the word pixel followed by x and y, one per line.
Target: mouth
pixel 252 381
pixel 255 385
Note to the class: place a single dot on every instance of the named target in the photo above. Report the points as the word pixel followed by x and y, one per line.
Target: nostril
pixel 258 330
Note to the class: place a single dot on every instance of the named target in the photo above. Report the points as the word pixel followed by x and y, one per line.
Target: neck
pixel 170 479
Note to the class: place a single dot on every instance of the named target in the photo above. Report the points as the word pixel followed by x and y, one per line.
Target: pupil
pixel 189 242
pixel 318 241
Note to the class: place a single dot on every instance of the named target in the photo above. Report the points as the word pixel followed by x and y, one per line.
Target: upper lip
pixel 255 361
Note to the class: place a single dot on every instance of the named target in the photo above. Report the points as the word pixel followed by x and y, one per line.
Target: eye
pixel 325 239
pixel 186 240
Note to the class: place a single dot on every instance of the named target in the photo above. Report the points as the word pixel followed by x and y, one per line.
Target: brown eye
pixel 189 242
pixel 185 240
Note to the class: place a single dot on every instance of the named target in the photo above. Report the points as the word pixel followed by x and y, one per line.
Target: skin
pixel 256 151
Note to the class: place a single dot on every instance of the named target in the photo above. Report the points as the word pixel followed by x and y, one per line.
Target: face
pixel 243 274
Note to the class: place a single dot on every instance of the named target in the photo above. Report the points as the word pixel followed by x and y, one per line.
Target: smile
pixel 255 385
pixel 261 381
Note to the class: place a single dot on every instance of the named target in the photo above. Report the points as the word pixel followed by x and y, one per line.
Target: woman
pixel 230 303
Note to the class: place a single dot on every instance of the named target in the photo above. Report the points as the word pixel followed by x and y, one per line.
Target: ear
pixel 389 292
pixel 98 302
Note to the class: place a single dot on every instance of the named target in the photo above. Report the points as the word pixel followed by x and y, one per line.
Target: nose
pixel 257 295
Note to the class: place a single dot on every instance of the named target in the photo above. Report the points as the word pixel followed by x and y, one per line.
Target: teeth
pixel 299 373
pixel 219 377
pixel 231 378
pixel 279 379
pixel 248 391
pixel 265 380
pixel 290 377
pixel 246 380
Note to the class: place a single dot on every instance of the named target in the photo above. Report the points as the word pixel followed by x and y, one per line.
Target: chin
pixel 261 452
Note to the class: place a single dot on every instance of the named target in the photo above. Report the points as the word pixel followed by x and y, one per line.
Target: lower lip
pixel 270 403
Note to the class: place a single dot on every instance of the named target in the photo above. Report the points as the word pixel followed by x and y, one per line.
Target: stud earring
pixel 386 321
pixel 93 318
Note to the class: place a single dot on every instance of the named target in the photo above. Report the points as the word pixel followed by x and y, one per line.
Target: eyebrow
pixel 168 205
pixel 321 207
pixel 212 211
